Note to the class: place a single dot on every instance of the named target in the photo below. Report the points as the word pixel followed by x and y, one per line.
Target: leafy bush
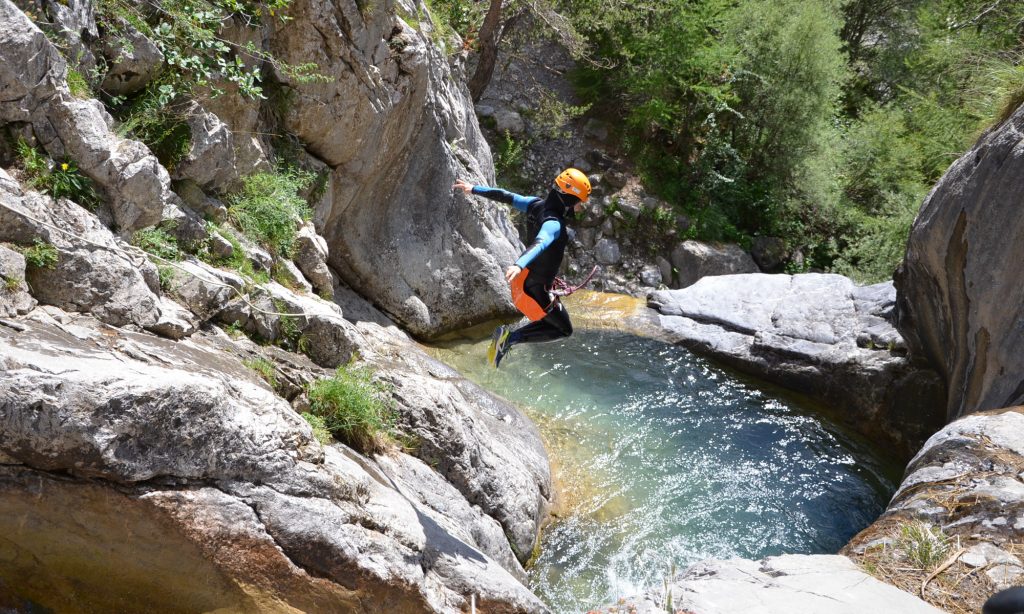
pixel 157 241
pixel 268 208
pixel 355 409
pixel 41 255
pixel 62 180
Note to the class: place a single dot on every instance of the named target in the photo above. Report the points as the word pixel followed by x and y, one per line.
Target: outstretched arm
pixel 509 198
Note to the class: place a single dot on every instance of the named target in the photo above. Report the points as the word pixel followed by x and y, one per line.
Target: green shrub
pixel 355 409
pixel 268 208
pixel 319 428
pixel 41 255
pixel 61 181
pixel 11 283
pixel 157 241
pixel 77 84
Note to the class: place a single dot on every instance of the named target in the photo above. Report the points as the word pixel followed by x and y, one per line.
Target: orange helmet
pixel 573 181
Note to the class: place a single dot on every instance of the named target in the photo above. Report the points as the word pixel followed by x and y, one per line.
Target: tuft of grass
pixel 11 283
pixel 355 408
pixel 159 242
pixel 78 85
pixel 41 255
pixel 924 546
pixel 166 274
pixel 264 368
pixel 268 208
pixel 319 428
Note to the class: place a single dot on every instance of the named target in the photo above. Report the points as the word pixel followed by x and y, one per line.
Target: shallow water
pixel 664 459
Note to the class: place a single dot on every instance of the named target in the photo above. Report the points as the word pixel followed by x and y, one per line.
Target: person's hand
pixel 462 185
pixel 511 272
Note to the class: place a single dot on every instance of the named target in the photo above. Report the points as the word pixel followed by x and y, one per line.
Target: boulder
pixel 133 60
pixel 965 482
pixel 769 253
pixel 14 296
pixel 33 87
pixel 650 275
pixel 32 70
pixel 311 258
pixel 95 272
pixel 317 328
pixel 204 289
pixel 397 128
pixel 812 333
pixel 777 585
pixel 210 161
pixel 607 252
pixel 694 260
pixel 961 298
pixel 222 478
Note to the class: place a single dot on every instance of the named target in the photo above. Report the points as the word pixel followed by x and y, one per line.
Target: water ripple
pixel 667 459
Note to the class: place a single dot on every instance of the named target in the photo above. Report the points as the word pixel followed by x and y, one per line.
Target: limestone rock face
pixel 221 475
pixel 694 260
pixel 814 333
pixel 966 481
pixel 210 161
pixel 961 300
pixel 398 127
pixel 115 285
pixel 14 296
pixel 780 585
pixel 33 89
pixel 133 60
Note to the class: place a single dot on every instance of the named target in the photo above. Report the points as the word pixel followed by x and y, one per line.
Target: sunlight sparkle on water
pixel 672 460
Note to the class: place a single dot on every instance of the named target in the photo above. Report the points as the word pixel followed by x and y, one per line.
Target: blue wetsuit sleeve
pixel 547 235
pixel 509 198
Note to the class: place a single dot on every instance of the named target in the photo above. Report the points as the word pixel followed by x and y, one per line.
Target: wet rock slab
pixel 817 334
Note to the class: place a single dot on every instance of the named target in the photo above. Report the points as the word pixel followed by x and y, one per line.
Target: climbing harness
pixel 560 287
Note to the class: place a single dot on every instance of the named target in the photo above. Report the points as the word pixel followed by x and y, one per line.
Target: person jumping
pixel 533 274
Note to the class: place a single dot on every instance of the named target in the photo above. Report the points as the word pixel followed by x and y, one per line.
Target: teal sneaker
pixel 499 345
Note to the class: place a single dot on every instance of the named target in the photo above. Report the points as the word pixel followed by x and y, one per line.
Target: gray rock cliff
pixel 960 300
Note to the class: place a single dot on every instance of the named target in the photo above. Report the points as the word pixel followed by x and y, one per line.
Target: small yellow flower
pixel 64 166
pixel 271 12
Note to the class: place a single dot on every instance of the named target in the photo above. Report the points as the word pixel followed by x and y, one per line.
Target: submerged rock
pixel 813 333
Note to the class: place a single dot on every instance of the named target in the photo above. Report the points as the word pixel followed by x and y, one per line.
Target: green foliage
pixel 923 545
pixel 11 283
pixel 508 162
pixel 77 84
pixel 166 276
pixel 268 208
pixel 551 116
pixel 355 408
pixel 264 368
pixel 157 241
pixel 41 255
pixel 61 180
pixel 157 118
pixel 319 428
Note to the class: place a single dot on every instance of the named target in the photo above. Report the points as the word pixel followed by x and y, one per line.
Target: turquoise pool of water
pixel 665 459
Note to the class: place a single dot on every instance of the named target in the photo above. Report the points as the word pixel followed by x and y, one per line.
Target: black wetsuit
pixel 543 258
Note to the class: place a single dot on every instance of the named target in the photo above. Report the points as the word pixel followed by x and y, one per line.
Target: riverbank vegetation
pixel 823 122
